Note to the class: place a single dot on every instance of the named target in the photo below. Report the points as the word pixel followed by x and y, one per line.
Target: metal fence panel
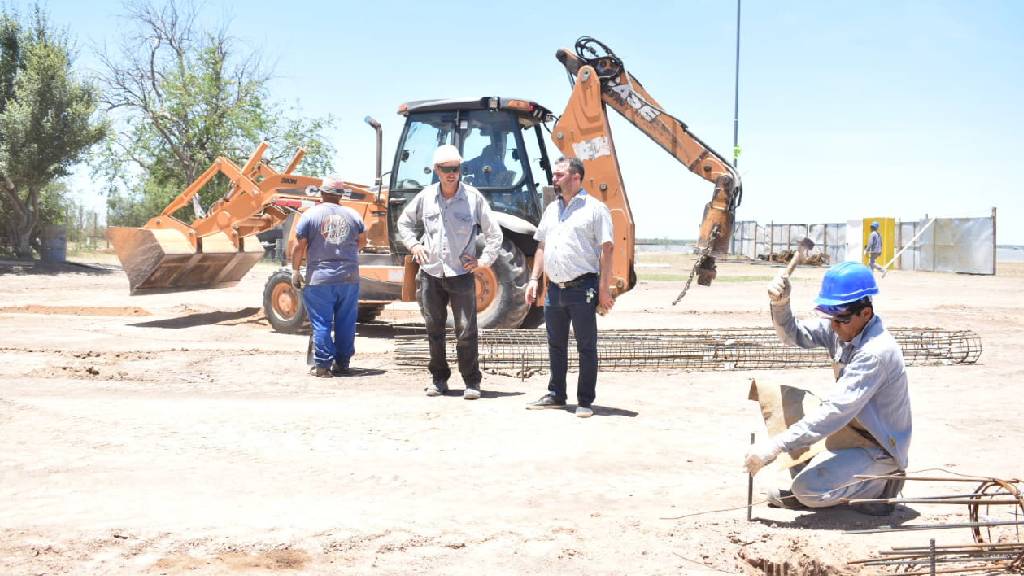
pixel 960 245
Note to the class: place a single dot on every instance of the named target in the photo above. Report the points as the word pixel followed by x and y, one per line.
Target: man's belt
pixel 575 282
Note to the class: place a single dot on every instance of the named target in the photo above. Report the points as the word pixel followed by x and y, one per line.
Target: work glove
pixel 762 453
pixel 778 290
pixel 297 280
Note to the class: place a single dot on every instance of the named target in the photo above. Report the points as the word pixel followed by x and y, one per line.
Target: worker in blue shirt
pixel 874 248
pixel 871 397
pixel 329 237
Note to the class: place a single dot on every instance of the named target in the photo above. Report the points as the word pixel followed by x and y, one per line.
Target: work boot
pixel 784 499
pixel 436 388
pixel 893 486
pixel 471 393
pixel 340 370
pixel 320 372
pixel 546 401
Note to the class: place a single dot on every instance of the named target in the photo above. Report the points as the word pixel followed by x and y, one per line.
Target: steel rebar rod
pixel 931 501
pixel 913 527
pixel 931 478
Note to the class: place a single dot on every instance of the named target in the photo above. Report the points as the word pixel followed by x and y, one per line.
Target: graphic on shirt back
pixel 334 228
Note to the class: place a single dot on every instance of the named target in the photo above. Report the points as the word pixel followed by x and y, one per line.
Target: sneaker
pixel 320 372
pixel 784 499
pixel 338 370
pixel 471 393
pixel 436 388
pixel 546 401
pixel 893 487
pixel 584 411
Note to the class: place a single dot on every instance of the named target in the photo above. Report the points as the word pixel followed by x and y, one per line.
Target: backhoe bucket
pixel 163 260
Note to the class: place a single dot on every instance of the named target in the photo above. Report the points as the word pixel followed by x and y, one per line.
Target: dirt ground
pixel 178 434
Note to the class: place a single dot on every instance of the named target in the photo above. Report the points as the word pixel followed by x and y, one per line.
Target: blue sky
pixel 847 109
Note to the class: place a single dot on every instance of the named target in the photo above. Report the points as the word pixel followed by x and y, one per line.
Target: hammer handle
pixel 791 266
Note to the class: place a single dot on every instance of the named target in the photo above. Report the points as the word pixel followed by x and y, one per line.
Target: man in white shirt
pixel 575 252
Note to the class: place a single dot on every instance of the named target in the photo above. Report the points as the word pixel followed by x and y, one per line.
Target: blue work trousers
pixel 332 310
pixel 576 306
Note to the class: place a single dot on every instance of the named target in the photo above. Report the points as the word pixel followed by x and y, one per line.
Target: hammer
pixel 805 246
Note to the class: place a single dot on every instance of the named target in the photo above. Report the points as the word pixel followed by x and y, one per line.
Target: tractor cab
pixel 502 146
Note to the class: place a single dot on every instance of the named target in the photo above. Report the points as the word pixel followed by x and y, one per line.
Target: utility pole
pixel 736 97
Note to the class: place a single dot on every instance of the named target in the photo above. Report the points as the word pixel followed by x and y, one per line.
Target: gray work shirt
pixel 875 243
pixel 450 227
pixel 573 234
pixel 871 385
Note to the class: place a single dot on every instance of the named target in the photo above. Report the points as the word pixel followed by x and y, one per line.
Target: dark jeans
pixel 435 296
pixel 577 306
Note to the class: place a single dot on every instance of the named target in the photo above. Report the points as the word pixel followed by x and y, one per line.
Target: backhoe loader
pixel 505 155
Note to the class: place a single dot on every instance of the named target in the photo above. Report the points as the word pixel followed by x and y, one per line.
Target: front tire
pixel 282 303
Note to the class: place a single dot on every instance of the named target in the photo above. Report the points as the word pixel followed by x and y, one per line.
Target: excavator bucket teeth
pixel 163 260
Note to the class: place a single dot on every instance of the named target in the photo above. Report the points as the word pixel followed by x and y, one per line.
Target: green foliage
pixel 47 123
pixel 184 96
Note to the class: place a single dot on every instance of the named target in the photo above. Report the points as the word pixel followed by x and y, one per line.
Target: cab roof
pixel 525 109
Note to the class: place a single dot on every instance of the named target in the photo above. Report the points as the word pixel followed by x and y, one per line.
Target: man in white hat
pixel 453 214
pixel 329 236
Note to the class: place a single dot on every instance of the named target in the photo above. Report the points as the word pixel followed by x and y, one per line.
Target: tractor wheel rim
pixel 486 287
pixel 284 300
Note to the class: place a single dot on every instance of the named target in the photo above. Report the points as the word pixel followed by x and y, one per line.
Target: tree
pixel 183 96
pixel 47 121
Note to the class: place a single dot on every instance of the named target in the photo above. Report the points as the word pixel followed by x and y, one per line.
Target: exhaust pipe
pixel 376 127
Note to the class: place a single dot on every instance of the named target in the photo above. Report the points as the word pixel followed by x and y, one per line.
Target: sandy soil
pixel 178 434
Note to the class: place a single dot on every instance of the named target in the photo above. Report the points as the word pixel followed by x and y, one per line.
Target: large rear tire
pixel 282 303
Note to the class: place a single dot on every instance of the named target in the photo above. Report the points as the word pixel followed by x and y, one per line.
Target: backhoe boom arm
pixel 602 81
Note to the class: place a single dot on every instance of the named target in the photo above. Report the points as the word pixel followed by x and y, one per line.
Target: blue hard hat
pixel 874 224
pixel 845 283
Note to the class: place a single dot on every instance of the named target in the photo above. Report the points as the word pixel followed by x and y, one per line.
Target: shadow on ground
pixel 844 518
pixel 40 268
pixel 202 319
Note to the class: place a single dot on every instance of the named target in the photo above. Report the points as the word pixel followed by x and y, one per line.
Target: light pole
pixel 736 96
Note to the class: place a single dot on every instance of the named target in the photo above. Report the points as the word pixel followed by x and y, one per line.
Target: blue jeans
pixel 332 308
pixel 576 306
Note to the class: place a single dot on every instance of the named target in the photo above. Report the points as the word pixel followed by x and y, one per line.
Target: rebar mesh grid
pixel 521 353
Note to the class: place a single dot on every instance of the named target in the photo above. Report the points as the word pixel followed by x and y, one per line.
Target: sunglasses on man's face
pixel 843 319
pixel 449 169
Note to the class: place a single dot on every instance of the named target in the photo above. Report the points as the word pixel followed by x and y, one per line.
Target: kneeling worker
pixel 871 396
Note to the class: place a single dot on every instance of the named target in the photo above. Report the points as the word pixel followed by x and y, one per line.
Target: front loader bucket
pixel 163 260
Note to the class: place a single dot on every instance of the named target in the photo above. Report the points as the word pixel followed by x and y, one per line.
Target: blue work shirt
pixel 875 243
pixel 332 234
pixel 871 386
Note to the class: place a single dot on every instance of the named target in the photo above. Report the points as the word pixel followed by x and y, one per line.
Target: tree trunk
pixel 22 219
pixel 23 242
pixel 24 225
